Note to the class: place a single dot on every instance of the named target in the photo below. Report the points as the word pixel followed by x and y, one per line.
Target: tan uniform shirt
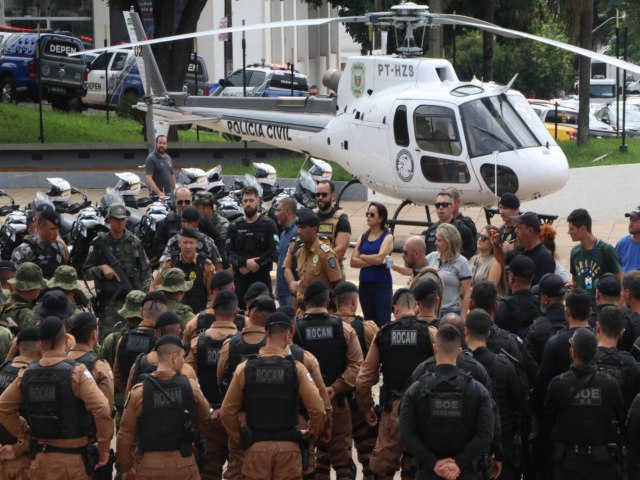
pixel 308 392
pixel 101 372
pixel 317 263
pixel 369 326
pixel 152 358
pixel 127 435
pixel 20 362
pixel 368 377
pixel 218 331
pixel 84 388
pixel 251 334
pixel 347 381
pixel 119 376
pixel 190 328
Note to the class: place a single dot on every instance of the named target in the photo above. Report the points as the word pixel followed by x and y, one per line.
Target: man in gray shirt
pixel 159 169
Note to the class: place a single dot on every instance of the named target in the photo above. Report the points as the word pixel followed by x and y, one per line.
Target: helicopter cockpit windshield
pixel 492 124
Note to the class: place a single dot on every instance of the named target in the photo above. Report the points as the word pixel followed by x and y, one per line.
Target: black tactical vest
pixel 444 429
pixel 240 322
pixel 239 351
pixel 205 320
pixel 610 362
pixel 8 374
pixel 51 408
pixel 323 335
pixel 168 415
pixel 271 385
pixel 358 325
pixel 196 298
pixel 133 343
pixel 47 257
pixel 403 345
pixel 89 360
pixel 207 359
pixel 142 368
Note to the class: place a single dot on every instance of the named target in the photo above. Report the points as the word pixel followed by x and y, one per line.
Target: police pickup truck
pixel 125 83
pixel 63 78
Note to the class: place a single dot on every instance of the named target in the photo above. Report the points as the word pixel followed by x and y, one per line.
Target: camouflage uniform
pixel 66 279
pixel 6 338
pixel 47 256
pixel 135 264
pixel 173 281
pixel 17 312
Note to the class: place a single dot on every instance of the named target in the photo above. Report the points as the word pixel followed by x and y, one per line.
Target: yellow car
pixel 567 121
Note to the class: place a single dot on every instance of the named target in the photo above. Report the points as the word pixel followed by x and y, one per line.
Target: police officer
pixel 586 411
pixel 131 315
pixel 138 340
pixel 17 468
pixel 85 331
pixel 241 346
pixel 159 422
pixel 608 290
pixel 335 344
pixel 44 248
pixel 7 271
pixel 617 363
pixel 174 286
pixel 334 222
pixel 446 418
pixel 510 395
pixel 54 303
pixel 519 310
pixel 127 249
pixel 633 438
pixel 250 246
pixel 65 279
pixel 211 223
pixel 275 383
pixel 58 399
pixel 397 350
pixel 167 323
pixel 345 297
pixel 314 260
pixel 220 282
pixel 551 291
pixel 27 285
pixel 171 224
pixel 204 244
pixel 203 358
pixel 428 296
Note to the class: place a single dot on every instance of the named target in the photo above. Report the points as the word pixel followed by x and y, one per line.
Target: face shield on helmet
pixel 128 184
pixel 59 191
pixel 193 178
pixel 320 170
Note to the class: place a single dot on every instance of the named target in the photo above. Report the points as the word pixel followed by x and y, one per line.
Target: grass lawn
pixel 19 124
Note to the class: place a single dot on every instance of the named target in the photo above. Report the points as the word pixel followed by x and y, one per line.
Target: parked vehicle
pixel 125 82
pixel 608 115
pixel 63 78
pixel 262 81
pixel 567 121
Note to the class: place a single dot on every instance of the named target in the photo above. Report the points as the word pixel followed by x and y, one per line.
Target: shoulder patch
pixel 325 248
pixel 333 263
pixel 309 377
pixel 110 374
pixel 87 374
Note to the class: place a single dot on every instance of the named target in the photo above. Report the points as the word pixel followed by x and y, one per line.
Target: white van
pixel 602 90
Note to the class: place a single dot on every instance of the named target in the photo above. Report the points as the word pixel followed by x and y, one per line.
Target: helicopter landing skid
pixel 413 223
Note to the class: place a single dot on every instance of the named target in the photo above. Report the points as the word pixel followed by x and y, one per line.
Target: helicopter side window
pixel 436 131
pixel 401 127
pixel 443 170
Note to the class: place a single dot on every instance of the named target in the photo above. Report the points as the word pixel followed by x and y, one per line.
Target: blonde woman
pixel 483 264
pixel 453 269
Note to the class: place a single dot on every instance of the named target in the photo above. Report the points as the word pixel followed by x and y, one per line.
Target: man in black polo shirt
pixel 528 235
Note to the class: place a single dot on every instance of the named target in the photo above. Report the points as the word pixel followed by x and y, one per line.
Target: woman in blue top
pixel 375 288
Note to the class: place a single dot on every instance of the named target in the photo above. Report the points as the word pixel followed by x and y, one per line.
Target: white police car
pixel 262 80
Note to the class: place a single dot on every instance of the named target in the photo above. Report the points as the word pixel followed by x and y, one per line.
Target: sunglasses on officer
pixel 183 202
pixel 442 204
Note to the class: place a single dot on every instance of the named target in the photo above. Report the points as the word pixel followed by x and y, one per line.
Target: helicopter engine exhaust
pixel 331 79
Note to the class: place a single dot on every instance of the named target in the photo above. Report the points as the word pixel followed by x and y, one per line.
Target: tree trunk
pixel 586 25
pixel 487 43
pixel 435 32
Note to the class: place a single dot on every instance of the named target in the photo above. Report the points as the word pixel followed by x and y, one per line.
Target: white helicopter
pixel 403 125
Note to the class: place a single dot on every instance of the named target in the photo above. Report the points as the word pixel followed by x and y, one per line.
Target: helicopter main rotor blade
pixel 246 28
pixel 505 32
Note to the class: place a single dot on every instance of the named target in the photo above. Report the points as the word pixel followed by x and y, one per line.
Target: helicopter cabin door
pixel 428 149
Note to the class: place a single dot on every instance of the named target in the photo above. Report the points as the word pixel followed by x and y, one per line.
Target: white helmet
pixel 265 173
pixel 320 170
pixel 60 190
pixel 128 185
pixel 194 179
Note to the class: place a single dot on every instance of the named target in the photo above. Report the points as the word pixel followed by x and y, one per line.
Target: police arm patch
pixel 333 263
pixel 325 248
pixel 309 377
pixel 87 374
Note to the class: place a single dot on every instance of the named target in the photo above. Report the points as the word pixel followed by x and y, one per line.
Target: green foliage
pixel 607 150
pixel 542 70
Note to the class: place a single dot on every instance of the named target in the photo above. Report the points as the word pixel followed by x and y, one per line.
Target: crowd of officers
pixel 199 374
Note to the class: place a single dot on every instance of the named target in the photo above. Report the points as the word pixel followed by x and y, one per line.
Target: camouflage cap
pixel 203 198
pixel 173 281
pixel 28 277
pixel 117 211
pixel 132 305
pixel 65 277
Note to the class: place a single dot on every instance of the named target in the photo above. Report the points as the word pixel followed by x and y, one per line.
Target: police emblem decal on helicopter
pixel 404 165
pixel 357 79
